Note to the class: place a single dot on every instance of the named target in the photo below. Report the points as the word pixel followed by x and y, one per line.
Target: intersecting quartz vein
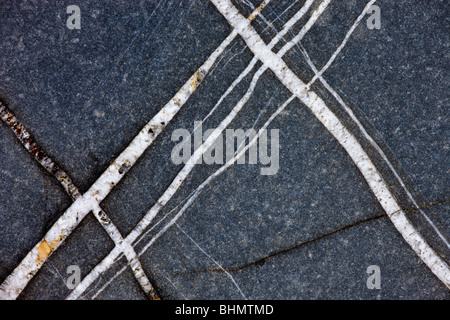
pixel 30 144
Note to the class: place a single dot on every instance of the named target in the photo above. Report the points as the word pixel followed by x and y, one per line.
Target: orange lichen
pixel 45 249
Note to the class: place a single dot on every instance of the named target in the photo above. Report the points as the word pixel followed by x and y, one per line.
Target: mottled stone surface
pixel 308 232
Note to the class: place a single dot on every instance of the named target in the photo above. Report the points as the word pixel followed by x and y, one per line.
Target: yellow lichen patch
pixel 43 251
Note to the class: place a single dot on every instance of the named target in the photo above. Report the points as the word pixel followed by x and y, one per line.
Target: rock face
pixel 96 97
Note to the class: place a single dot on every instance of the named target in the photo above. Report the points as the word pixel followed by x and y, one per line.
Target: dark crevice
pixel 301 244
pixel 425 206
pixel 286 250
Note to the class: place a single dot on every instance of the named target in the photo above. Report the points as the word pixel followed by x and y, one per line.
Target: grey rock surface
pixel 308 232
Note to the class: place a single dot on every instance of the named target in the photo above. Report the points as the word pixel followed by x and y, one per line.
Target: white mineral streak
pixel 349 111
pixel 207 181
pixel 287 26
pixel 128 251
pixel 344 42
